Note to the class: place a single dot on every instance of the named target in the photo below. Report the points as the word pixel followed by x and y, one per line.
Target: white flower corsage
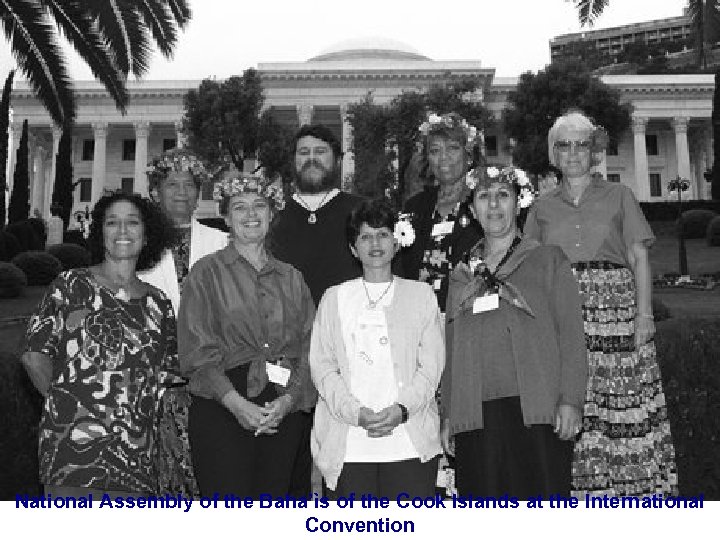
pixel 404 232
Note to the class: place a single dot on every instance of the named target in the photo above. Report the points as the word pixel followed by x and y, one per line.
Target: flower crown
pixel 452 122
pixel 404 232
pixel 508 175
pixel 176 160
pixel 250 183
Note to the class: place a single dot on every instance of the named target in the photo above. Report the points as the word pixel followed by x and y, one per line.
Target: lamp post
pixel 679 185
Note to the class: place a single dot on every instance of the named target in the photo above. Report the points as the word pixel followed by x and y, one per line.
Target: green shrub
pixel 9 246
pixel 660 311
pixel 688 352
pixel 713 232
pixel 70 255
pixel 21 407
pixel 74 236
pixel 12 280
pixel 39 266
pixel 25 233
pixel 694 223
pixel 40 228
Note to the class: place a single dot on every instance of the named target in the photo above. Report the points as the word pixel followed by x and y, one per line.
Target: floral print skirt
pixel 625 447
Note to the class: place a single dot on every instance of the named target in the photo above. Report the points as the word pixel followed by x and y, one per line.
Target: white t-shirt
pixel 372 376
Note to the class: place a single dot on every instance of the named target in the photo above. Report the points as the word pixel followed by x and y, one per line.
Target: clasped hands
pixel 381 423
pixel 261 420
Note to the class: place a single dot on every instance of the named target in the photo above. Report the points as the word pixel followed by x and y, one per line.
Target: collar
pixel 230 256
pixel 597 183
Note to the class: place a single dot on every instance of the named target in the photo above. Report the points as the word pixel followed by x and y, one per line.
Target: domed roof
pixel 368 48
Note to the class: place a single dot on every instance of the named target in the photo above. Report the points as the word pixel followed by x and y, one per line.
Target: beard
pixel 314 178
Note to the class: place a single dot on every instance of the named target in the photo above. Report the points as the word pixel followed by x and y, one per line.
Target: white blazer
pixel 204 240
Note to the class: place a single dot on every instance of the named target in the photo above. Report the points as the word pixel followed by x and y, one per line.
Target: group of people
pixel 329 329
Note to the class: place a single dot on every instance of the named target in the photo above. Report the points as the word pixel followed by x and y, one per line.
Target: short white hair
pixel 573 120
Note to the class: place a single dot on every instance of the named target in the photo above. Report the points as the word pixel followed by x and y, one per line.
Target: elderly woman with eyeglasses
pixel 243 339
pixel 625 447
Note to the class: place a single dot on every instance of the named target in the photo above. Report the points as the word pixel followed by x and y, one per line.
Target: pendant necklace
pixel 312 218
pixel 372 304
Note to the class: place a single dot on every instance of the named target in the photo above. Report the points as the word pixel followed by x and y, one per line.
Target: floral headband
pixel 451 122
pixel 484 177
pixel 404 232
pixel 250 183
pixel 176 160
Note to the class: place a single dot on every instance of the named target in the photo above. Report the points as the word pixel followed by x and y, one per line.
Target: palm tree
pixel 113 37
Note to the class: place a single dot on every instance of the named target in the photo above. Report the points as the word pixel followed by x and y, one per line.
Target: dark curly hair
pixel 159 232
pixel 376 213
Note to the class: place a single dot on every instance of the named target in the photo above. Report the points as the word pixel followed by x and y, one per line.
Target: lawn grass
pixel 702 259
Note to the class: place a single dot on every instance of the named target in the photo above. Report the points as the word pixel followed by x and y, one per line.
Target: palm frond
pixel 589 10
pixel 160 22
pixel 35 49
pixel 181 11
pixel 108 18
pixel 78 28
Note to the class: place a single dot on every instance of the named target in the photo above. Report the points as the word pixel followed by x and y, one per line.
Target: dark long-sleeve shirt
pixel 231 315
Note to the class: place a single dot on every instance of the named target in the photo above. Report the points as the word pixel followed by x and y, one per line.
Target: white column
pixel 15 134
pixel 642 179
pixel 50 186
pixel 707 164
pixel 304 114
pixel 142 130
pixel 348 160
pixel 682 153
pixel 37 191
pixel 100 130
pixel 180 138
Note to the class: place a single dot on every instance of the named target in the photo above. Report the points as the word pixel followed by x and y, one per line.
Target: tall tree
pixel 224 124
pixel 19 208
pixel 113 37
pixel 4 125
pixel 540 98
pixel 62 195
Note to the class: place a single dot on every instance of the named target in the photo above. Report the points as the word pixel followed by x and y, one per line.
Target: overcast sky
pixel 226 37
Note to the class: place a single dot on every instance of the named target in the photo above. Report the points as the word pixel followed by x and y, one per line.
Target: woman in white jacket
pixel 376 358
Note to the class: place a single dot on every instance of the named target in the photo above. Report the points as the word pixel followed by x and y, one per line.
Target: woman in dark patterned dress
pixel 102 350
pixel 445 227
pixel 625 447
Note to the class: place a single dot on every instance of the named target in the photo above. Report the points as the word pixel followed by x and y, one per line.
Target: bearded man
pixel 310 235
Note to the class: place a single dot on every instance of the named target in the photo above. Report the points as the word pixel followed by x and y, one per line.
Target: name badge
pixel 277 374
pixel 437 284
pixel 442 229
pixel 486 303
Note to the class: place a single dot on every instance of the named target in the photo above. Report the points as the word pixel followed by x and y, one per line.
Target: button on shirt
pixel 232 314
pixel 602 226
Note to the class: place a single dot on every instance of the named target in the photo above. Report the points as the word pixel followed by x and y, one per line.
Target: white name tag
pixel 442 229
pixel 486 303
pixel 277 374
pixel 437 284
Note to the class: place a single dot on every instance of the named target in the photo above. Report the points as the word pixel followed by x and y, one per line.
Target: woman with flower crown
pixel 625 447
pixel 243 339
pixel 444 225
pixel 376 358
pixel 514 384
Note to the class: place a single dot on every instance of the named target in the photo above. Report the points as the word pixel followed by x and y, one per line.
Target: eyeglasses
pixel 567 146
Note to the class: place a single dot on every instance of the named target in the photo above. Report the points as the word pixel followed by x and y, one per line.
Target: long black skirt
pixel 229 459
pixel 507 457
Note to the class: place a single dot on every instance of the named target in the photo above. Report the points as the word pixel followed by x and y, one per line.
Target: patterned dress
pixel 625 447
pixel 112 362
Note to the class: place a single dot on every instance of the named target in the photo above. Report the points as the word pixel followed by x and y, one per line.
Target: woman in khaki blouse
pixel 625 446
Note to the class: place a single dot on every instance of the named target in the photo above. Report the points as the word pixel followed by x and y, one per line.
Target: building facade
pixel 612 41
pixel 671 131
